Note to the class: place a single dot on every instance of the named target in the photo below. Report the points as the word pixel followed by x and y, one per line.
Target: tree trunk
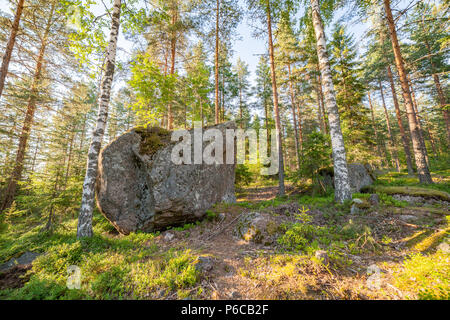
pixel 87 202
pixel 322 106
pixel 173 50
pixel 10 45
pixel 341 180
pixel 388 124
pixel 240 108
pixel 440 92
pixel 28 121
pixel 294 118
pixel 216 63
pixel 275 103
pixel 377 138
pixel 419 154
pixel 419 122
pixel 400 123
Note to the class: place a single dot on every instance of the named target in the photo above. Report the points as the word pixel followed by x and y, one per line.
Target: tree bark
pixel 10 45
pixel 275 103
pixel 173 50
pixel 419 154
pixel 440 92
pixel 29 117
pixel 419 122
pixel 341 180
pixel 388 124
pixel 88 197
pixel 216 63
pixel 294 118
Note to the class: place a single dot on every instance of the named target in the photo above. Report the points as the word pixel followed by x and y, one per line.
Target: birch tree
pixel 87 202
pixel 341 180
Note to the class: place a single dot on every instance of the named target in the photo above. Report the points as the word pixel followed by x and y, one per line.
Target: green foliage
pixel 425 277
pixel 316 155
pixel 243 177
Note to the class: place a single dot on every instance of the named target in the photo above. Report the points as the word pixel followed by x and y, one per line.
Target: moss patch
pixel 410 191
pixel 153 139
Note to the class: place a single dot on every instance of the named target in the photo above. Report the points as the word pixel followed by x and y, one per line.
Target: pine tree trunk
pixel 10 45
pixel 388 124
pixel 275 103
pixel 419 154
pixel 341 180
pixel 216 63
pixel 440 92
pixel 29 117
pixel 240 108
pixel 88 197
pixel 419 122
pixel 400 123
pixel 294 118
pixel 173 50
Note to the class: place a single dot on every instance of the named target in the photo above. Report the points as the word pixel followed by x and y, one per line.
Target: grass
pixel 137 266
pixel 123 267
pixel 425 277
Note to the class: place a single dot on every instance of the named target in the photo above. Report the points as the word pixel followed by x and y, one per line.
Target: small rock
pixel 169 236
pixel 444 247
pixel 322 256
pixel 204 264
pixel 374 199
pixel 354 209
pixel 373 269
pixel 235 295
pixel 24 259
pixel 408 218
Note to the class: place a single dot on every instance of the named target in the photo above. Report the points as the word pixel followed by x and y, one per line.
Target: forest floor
pixel 398 249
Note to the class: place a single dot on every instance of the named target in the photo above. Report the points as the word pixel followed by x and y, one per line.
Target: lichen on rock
pixel 139 188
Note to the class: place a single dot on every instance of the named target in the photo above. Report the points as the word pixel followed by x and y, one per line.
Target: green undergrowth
pixel 112 267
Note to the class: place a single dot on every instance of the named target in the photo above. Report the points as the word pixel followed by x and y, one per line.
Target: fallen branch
pixel 212 235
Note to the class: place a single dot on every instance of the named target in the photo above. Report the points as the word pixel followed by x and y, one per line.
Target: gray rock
pixel 168 236
pixel 408 218
pixel 374 199
pixel 354 209
pixel 24 259
pixel 360 176
pixel 204 264
pixel 256 227
pixel 139 188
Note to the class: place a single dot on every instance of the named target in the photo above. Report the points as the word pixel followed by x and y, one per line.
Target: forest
pixel 356 91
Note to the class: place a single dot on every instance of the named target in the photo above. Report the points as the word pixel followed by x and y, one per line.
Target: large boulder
pixel 139 188
pixel 359 175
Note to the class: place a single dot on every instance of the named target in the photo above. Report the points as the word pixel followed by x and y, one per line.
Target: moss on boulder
pixel 409 191
pixel 153 139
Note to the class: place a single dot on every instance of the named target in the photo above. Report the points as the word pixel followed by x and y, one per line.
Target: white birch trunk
pixel 341 181
pixel 88 197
